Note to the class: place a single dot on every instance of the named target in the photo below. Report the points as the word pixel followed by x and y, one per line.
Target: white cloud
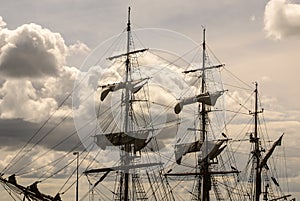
pixel 35 100
pixel 282 19
pixel 31 51
pixel 266 79
pixel 78 48
pixel 77 53
pixel 34 77
pixel 20 100
pixel 252 18
pixel 2 23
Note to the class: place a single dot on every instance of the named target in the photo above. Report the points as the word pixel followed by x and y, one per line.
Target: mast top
pixel 204 30
pixel 128 22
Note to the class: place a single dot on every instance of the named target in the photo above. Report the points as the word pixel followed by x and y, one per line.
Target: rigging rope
pixel 14 160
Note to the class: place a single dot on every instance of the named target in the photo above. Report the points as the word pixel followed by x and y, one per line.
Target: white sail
pixel 215 151
pixel 133 86
pixel 206 98
pixel 183 149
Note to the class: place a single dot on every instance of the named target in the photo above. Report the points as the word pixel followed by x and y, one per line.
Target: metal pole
pixel 77 165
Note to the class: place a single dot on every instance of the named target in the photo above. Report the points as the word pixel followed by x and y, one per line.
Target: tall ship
pixel 158 130
pixel 218 175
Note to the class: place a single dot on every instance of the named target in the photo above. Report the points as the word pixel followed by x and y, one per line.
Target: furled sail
pixel 133 86
pixel 263 162
pixel 215 151
pixel 206 98
pixel 183 149
pixel 128 53
pixel 137 138
pixel 203 69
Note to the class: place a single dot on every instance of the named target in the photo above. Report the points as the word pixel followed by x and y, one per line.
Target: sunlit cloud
pixel 282 19
pixel 31 51
pixel 33 70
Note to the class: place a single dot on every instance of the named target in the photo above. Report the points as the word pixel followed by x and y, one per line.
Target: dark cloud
pixel 15 133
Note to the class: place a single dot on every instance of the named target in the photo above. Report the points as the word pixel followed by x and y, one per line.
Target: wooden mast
pixel 206 183
pixel 203 173
pixel 127 149
pixel 256 149
pixel 256 152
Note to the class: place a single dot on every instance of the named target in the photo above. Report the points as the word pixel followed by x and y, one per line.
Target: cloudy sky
pixel 44 43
